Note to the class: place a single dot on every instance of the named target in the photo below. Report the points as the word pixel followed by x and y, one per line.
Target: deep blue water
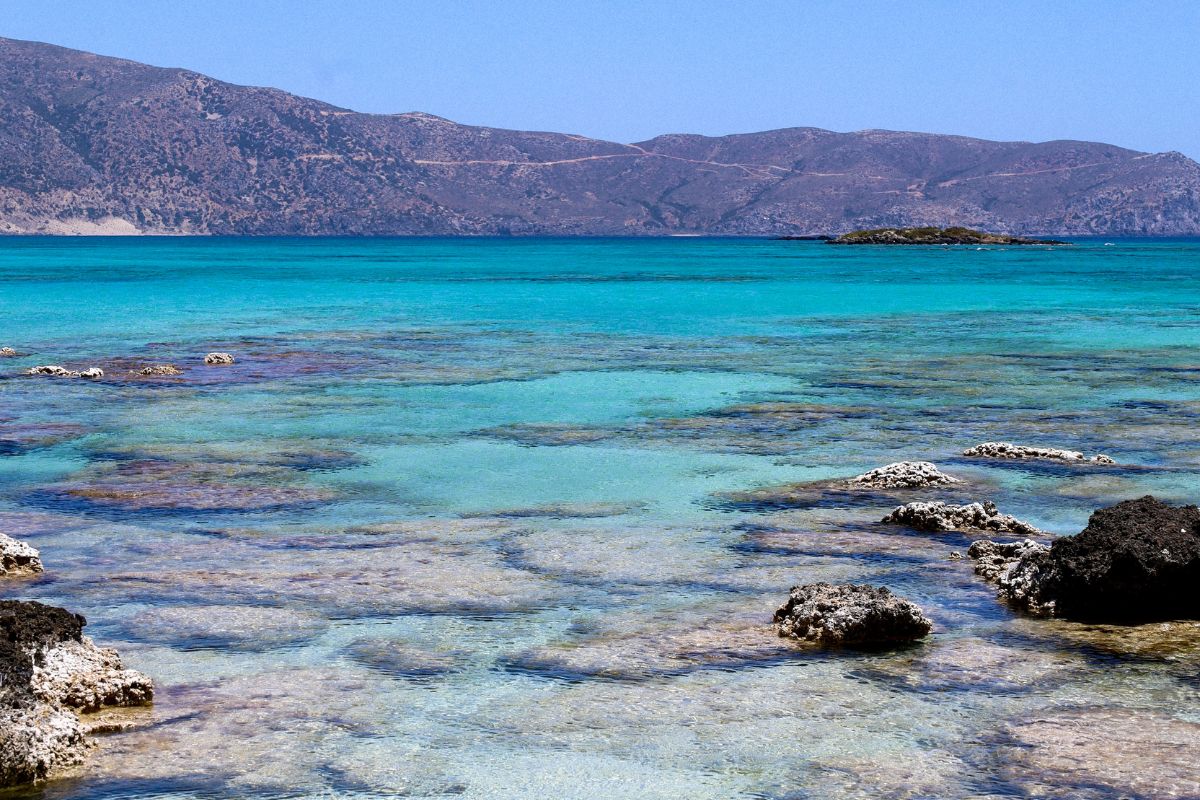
pixel 455 523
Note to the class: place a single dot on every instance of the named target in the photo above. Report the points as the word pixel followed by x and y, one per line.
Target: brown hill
pixel 96 144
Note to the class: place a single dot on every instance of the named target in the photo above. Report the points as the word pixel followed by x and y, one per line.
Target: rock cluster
pixel 18 559
pixel 849 614
pixel 55 371
pixel 939 516
pixel 160 369
pixel 48 671
pixel 7 352
pixel 218 359
pixel 903 475
pixel 952 235
pixel 1024 452
pixel 1137 560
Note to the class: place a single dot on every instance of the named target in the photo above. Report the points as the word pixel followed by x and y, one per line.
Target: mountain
pixel 90 144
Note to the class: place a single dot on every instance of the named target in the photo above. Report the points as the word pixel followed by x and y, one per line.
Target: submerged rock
pixel 1139 559
pixel 217 359
pixel 939 516
pixel 18 559
pixel 1023 452
pixel 1098 753
pixel 160 369
pixel 850 614
pixel 7 352
pixel 903 475
pixel 49 669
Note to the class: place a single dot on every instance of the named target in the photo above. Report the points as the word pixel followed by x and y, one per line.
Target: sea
pixel 474 518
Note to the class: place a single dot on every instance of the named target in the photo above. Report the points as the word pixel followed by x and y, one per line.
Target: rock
pixel 160 369
pixel 953 235
pixel 938 516
pixel 18 559
pixel 903 475
pixel 1138 560
pixel 1103 753
pixel 56 371
pixel 850 614
pixel 992 559
pixel 218 359
pixel 50 369
pixel 1022 452
pixel 34 741
pixel 7 352
pixel 48 670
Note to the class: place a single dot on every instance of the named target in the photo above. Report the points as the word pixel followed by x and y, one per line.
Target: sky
pixel 1127 73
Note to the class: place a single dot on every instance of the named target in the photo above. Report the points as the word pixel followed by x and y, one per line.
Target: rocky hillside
pixel 93 144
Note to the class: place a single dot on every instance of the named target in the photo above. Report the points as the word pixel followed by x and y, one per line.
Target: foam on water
pixel 458 521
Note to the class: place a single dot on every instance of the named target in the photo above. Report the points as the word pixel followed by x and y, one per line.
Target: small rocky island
pixel 932 236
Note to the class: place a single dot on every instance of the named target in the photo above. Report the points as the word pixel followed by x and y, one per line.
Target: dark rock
pixel 933 236
pixel 48 670
pixel 1138 560
pixel 850 614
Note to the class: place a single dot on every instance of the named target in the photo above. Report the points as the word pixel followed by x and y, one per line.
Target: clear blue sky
pixel 1121 72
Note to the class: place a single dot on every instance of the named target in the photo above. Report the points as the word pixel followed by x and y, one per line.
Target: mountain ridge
pixel 97 144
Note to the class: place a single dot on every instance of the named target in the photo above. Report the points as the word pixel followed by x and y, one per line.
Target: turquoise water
pixel 454 523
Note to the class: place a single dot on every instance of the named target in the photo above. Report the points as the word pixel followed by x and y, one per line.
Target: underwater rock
pixel 627 647
pixel 245 628
pixel 48 669
pixel 976 664
pixel 56 371
pixel 160 369
pixel 218 359
pixel 18 559
pixel 1137 560
pixel 404 660
pixel 7 352
pixel 1104 752
pixel 850 614
pixel 938 516
pixel 903 475
pixel 1018 451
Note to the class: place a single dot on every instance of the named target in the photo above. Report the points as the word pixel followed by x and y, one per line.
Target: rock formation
pixel 18 559
pixel 56 371
pixel 934 236
pixel 849 614
pixel 48 671
pixel 160 369
pixel 938 516
pixel 902 475
pixel 1018 451
pixel 1138 560
pixel 7 352
pixel 218 359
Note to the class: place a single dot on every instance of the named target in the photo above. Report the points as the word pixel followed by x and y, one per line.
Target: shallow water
pixel 456 523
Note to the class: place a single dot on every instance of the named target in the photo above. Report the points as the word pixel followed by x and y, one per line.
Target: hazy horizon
pixel 627 73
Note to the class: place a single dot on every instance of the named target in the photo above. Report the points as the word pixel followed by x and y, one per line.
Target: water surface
pixel 453 524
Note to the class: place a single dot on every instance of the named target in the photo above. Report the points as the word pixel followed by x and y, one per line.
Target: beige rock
pixel 218 359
